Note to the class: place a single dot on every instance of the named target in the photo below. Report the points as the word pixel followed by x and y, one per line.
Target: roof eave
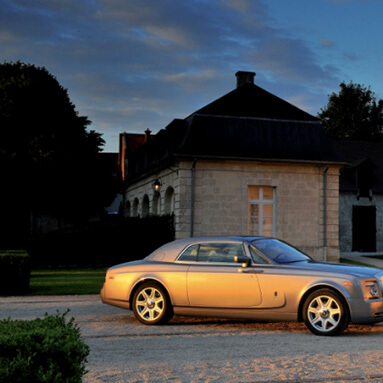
pixel 256 159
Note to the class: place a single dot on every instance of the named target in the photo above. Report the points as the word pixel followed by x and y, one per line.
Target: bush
pixel 15 272
pixel 41 351
pixel 102 244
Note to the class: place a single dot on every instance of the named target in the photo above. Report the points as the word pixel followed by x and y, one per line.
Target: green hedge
pixel 41 351
pixel 15 271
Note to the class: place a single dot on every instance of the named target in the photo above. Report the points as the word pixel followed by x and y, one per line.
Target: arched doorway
pixel 127 211
pixel 135 207
pixel 156 210
pixel 145 206
pixel 169 201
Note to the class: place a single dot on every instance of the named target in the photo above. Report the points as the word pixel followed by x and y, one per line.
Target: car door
pixel 273 280
pixel 216 280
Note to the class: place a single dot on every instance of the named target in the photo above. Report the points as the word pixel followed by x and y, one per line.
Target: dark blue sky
pixel 130 65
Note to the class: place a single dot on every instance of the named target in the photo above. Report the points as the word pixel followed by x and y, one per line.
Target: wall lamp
pixel 156 185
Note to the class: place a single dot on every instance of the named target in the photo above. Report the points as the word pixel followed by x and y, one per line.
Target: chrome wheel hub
pixel 324 313
pixel 150 304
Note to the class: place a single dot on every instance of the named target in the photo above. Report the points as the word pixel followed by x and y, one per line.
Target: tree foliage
pixel 49 160
pixel 353 114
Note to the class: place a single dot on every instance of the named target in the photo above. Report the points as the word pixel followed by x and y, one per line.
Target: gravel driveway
pixel 207 350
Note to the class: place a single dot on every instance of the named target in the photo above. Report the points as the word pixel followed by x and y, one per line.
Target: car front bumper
pixel 363 311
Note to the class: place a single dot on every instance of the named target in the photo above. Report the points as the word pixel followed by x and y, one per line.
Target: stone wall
pixel 221 202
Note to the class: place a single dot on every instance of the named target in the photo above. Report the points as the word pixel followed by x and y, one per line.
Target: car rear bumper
pixel 113 302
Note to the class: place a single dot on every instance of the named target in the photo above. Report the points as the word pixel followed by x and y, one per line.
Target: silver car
pixel 255 278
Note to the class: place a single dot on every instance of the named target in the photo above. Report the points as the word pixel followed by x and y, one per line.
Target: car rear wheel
pixel 151 304
pixel 325 313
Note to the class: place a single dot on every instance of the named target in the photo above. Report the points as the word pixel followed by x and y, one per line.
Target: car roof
pixel 170 251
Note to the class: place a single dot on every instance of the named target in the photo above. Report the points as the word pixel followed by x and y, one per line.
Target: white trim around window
pixel 261 211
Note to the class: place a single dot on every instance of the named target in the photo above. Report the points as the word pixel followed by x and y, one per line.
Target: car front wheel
pixel 151 304
pixel 325 313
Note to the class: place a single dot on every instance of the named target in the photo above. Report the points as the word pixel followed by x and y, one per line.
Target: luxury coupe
pixel 257 278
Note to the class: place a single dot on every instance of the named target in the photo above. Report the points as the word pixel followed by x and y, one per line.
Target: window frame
pixel 259 254
pixel 260 202
pixel 212 263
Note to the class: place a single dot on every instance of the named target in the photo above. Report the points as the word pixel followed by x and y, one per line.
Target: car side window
pixel 220 252
pixel 212 252
pixel 257 258
pixel 190 254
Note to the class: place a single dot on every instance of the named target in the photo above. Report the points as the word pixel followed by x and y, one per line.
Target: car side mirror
pixel 242 259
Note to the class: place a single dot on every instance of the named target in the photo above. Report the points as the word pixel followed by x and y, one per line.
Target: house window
pixel 261 216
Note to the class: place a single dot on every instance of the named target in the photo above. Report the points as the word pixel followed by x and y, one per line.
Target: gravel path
pixel 191 350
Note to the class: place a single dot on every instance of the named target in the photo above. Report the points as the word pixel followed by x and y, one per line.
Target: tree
pixel 49 161
pixel 353 114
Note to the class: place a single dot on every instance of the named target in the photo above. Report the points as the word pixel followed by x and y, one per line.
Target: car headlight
pixel 371 290
pixel 374 291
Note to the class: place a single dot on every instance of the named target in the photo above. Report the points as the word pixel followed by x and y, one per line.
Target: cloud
pixel 291 61
pixel 132 65
pixel 327 43
pixel 188 81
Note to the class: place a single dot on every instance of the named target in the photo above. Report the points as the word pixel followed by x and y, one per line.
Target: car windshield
pixel 279 251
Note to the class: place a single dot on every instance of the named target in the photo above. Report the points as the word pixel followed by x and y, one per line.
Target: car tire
pixel 151 304
pixel 325 312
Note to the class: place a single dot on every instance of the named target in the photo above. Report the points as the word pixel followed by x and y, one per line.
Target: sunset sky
pixel 130 65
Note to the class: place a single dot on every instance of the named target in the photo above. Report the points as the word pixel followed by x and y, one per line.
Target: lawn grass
pixel 356 263
pixel 66 281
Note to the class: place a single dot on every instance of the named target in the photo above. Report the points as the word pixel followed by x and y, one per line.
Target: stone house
pixel 248 163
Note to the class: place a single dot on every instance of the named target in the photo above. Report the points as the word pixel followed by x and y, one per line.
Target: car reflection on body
pixel 255 278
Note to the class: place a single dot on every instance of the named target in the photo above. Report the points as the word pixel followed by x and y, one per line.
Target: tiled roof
pixel 249 100
pixel 254 138
pixel 211 137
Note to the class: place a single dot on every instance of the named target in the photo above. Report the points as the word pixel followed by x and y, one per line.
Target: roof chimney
pixel 147 134
pixel 244 78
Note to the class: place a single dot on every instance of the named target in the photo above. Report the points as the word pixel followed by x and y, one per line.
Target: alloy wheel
pixel 150 304
pixel 324 313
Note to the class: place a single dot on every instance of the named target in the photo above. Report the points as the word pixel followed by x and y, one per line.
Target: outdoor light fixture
pixel 156 185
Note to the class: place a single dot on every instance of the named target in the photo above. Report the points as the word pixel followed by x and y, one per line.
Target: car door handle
pixel 249 271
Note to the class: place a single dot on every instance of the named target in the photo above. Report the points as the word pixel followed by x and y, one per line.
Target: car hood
pixel 357 271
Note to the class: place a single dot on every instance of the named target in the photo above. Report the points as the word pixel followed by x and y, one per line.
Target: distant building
pixel 111 164
pixel 361 196
pixel 248 163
